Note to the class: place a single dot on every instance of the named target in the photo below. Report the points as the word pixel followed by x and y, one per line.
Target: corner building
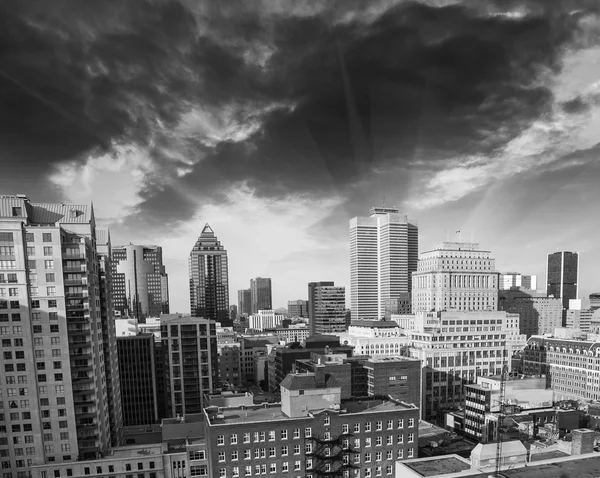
pixel 312 433
pixel 57 361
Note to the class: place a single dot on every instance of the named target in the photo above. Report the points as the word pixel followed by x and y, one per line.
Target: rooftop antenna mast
pixel 501 415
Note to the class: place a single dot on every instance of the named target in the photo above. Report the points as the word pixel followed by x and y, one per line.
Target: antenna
pixel 501 415
pixel 383 201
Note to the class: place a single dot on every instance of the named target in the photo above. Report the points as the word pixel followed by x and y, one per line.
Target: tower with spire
pixel 209 278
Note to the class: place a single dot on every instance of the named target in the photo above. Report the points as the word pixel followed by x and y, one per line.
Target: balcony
pixel 82 269
pixel 81 367
pixel 77 307
pixel 82 380
pixel 73 254
pixel 81 281
pixel 83 402
pixel 76 295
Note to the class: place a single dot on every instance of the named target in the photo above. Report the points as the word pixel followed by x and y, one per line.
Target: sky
pixel 276 121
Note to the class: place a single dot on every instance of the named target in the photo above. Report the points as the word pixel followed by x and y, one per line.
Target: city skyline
pixel 500 141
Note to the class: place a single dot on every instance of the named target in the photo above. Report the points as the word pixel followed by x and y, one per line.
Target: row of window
pixel 261 436
pixel 99 470
pixel 285 468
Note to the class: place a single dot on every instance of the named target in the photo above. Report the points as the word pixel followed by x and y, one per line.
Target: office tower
pixel 244 302
pixel 297 308
pixel 327 306
pixel 265 319
pixel 515 279
pixel 455 276
pixel 539 313
pixel 562 275
pixel 399 305
pixel 209 279
pixel 191 362
pixel 594 300
pixel 110 352
pixel 260 294
pixel 140 283
pixel 383 255
pixel 137 367
pixel 233 313
pixel 51 308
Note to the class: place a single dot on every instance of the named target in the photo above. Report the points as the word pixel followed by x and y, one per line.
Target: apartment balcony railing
pixel 81 281
pixel 82 268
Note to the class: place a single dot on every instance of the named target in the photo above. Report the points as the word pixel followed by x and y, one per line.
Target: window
pixel 13 292
pixel 296 449
pixel 221 456
pixel 367 457
pixel 38 341
pixel 52 315
pixel 247 454
pixel 36 316
pixel 197 455
pixel 35 304
pixel 16 317
pixel 256 437
pixel 51 290
pixel 47 250
pixel 222 472
pixel 390 424
pixel 49 264
pixel 411 422
pixel 54 328
pixel 37 329
pixel 368 427
pixel 55 340
pixel 50 277
pixel 14 304
pixel 379 426
pixel 378 456
pixel 401 423
pixel 248 470
pixel 410 453
pixel 285 467
pixel 357 428
pixel 273 468
pixel 297 433
pixel 233 439
pixel 52 303
pixel 389 440
pixel 367 442
pixel 379 441
pixel 262 436
pixel 297 465
pixel 411 437
pixel 29 237
pixel 31 264
pixel 47 237
pixel 284 450
pixel 234 455
pixel 235 471
pixel 284 434
pixel 307 432
pixel 389 470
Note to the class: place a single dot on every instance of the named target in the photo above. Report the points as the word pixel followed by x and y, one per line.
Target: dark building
pixel 297 308
pixel 233 312
pixel 230 374
pixel 562 275
pixel 260 294
pixel 209 281
pixel 398 305
pixel 191 362
pixel 244 302
pixel 327 308
pixel 137 368
pixel 140 283
pixel 312 432
pixel 398 377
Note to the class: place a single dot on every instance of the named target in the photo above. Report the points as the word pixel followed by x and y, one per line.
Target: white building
pixel 375 338
pixel 265 319
pixel 455 276
pixel 515 279
pixel 383 254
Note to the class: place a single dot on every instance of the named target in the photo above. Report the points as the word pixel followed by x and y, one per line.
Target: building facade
pixel 265 319
pixel 297 308
pixel 209 278
pixel 139 391
pixel 383 256
pixel 328 309
pixel 190 362
pixel 455 276
pixel 509 280
pixel 571 367
pixel 54 389
pixel 312 432
pixel 140 283
pixel 244 302
pixel 539 314
pixel 261 296
pixel 562 276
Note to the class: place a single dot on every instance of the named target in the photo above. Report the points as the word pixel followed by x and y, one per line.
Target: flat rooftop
pixel 438 466
pixel 273 412
pixel 126 452
pixel 581 468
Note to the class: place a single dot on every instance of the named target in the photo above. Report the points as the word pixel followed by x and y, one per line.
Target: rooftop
pixel 374 323
pixel 438 466
pixel 396 358
pixel 272 412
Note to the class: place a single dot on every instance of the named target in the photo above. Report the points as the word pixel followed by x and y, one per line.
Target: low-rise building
pixel 312 432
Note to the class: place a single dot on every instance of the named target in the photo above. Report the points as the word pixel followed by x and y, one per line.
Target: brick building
pixel 311 433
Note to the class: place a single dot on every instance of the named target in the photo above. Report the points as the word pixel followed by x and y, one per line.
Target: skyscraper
pixel 260 293
pixel 327 308
pixel 298 308
pixel 383 255
pixel 55 294
pixel 562 274
pixel 244 302
pixel 455 276
pixel 209 279
pixel 140 283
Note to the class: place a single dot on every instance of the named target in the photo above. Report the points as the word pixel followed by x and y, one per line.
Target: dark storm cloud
pixel 354 97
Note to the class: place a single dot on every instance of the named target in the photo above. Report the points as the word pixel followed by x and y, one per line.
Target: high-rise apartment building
pixel 54 296
pixel 137 367
pixel 244 302
pixel 455 276
pixel 562 276
pixel 260 294
pixel 327 306
pixel 297 308
pixel 191 364
pixel 140 283
pixel 109 334
pixel 383 255
pixel 209 278
pixel 515 279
